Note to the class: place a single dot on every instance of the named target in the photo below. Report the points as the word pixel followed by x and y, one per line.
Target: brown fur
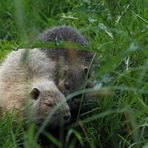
pixel 65 33
pixel 71 65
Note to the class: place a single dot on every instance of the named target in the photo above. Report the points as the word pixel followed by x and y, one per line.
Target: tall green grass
pixel 117 31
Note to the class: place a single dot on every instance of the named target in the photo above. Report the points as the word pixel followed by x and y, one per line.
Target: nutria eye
pixel 86 73
pixel 85 70
pixel 35 93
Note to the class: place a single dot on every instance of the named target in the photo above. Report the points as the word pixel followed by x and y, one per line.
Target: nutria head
pixel 44 98
pixel 77 72
pixel 72 68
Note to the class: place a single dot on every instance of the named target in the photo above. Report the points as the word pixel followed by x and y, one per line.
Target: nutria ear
pixel 35 93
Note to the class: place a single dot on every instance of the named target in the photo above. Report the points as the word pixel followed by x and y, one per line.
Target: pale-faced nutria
pixel 26 84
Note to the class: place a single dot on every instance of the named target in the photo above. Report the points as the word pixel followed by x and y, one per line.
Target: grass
pixel 117 32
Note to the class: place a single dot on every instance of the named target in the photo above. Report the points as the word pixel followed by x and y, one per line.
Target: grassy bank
pixel 117 31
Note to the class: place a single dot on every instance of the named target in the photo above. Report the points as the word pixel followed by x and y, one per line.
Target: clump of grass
pixel 117 32
pixel 10 133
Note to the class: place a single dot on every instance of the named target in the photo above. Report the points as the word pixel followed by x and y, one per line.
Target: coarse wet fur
pixel 26 86
pixel 63 33
pixel 72 66
pixel 72 69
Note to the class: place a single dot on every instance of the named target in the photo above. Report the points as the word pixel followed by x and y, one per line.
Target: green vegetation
pixel 117 30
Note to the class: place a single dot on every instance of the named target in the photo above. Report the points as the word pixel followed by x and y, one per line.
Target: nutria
pixel 72 65
pixel 26 82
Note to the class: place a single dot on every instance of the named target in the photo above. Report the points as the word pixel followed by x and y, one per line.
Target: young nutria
pixel 26 86
pixel 72 66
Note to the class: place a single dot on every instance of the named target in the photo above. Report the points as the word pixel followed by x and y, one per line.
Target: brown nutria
pixel 72 65
pixel 26 84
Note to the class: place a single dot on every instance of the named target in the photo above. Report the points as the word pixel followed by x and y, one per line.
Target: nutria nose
pixel 67 117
